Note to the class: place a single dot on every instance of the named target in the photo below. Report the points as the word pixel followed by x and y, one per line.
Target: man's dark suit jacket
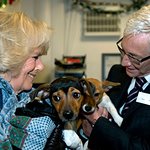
pixel 134 133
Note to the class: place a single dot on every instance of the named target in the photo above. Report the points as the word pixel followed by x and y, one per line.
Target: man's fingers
pixel 104 113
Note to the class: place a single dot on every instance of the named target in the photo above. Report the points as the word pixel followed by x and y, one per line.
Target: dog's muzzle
pixel 68 115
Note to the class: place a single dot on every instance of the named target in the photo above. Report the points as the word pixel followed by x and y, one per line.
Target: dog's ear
pixel 83 84
pixel 87 87
pixel 42 92
pixel 89 102
pixel 107 85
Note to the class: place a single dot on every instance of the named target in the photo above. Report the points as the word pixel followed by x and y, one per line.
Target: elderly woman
pixel 22 42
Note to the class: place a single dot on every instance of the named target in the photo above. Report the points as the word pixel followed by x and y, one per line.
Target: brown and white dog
pixel 102 99
pixel 68 97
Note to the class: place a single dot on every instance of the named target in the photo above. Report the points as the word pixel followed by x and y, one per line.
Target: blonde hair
pixel 19 36
pixel 138 22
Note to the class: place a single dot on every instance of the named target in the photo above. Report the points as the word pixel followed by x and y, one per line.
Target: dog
pixel 101 98
pixel 67 96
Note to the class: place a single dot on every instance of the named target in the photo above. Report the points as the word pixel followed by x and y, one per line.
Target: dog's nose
pixel 68 114
pixel 87 109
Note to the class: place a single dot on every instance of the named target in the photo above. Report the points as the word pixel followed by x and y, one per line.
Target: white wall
pixel 93 47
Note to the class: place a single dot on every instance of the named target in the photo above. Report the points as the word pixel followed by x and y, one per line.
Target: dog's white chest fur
pixel 106 102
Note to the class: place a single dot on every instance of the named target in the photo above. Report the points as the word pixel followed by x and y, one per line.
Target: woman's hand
pixel 91 119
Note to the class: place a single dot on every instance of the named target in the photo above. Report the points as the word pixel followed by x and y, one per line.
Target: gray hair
pixel 138 22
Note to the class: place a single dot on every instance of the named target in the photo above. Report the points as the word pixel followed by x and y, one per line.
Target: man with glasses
pixel 134 59
pixel 134 132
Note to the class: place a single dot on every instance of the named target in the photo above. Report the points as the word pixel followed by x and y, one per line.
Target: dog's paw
pixel 72 140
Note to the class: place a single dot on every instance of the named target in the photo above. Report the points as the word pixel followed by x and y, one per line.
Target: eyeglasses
pixel 133 59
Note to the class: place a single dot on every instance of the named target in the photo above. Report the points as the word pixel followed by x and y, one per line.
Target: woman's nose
pixel 39 65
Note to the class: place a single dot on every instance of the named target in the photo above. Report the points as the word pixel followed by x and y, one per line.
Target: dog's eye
pixel 96 94
pixel 76 95
pixel 56 98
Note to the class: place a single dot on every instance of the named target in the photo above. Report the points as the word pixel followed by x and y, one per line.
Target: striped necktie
pixel 133 93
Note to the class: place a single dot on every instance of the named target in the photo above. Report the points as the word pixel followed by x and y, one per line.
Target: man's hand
pixel 86 125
